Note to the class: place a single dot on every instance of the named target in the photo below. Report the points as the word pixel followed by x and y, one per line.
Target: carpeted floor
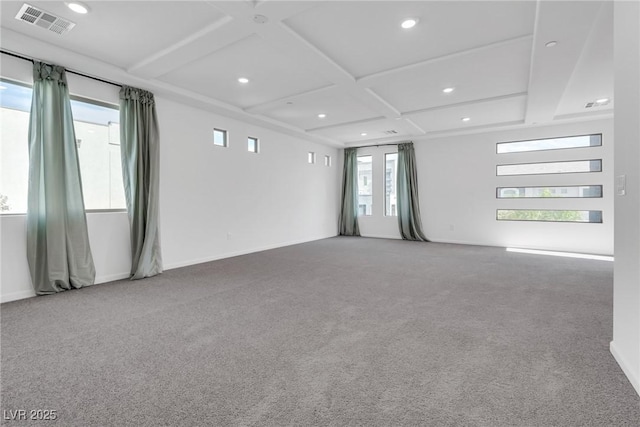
pixel 337 332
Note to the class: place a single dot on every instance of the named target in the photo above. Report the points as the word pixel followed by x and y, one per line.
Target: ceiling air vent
pixel 390 132
pixel 34 16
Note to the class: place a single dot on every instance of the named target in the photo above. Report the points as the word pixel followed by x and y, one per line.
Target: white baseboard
pixel 111 277
pixel 186 263
pixel 626 367
pixel 14 296
pixel 382 236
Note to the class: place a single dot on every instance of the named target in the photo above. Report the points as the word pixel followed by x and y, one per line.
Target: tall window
pixel 97 131
pixel 365 190
pixel 391 172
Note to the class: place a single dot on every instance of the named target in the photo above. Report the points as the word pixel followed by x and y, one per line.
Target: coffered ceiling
pixel 374 81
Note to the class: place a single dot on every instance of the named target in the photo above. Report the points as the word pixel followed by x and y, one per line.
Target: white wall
pixel 626 289
pixel 217 202
pixel 214 202
pixel 457 185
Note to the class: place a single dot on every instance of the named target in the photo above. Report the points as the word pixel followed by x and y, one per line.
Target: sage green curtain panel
pixel 409 220
pixel 348 224
pixel 58 249
pixel 140 149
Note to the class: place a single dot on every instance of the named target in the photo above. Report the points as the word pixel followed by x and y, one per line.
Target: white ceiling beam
pixel 201 43
pixel 236 24
pixel 466 103
pixel 589 115
pixel 382 76
pixel 257 109
pixel 552 67
pixel 438 134
pixel 343 124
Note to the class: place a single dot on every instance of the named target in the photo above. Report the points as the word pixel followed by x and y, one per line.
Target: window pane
pixel 391 168
pixel 97 133
pixel 551 167
pixel 549 215
pixel 98 140
pixel 365 190
pixel 220 137
pixel 550 144
pixel 15 103
pixel 252 145
pixel 577 191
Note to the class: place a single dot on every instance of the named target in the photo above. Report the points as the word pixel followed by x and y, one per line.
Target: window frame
pixel 551 221
pixel 369 183
pixel 549 173
pixel 77 98
pixel 256 144
pixel 225 134
pixel 549 186
pixel 549 149
pixel 395 178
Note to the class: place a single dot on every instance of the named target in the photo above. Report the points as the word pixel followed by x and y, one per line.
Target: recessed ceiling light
pixel 363 134
pixel 602 100
pixel 3 87
pixel 466 119
pixel 448 89
pixel 552 43
pixel 243 80
pixel 78 7
pixel 322 115
pixel 409 23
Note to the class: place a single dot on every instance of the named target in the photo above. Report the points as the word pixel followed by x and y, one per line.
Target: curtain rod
pixel 377 145
pixel 15 55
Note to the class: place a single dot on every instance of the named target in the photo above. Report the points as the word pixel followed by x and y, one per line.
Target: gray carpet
pixel 338 332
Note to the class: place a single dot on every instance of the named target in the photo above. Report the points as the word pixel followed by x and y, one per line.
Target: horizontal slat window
pixel 549 144
pixel 575 166
pixel 571 191
pixel 549 215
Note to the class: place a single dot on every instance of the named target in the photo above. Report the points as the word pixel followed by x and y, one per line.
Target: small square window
pixel 220 137
pixel 252 144
pixel 311 157
pixel 327 161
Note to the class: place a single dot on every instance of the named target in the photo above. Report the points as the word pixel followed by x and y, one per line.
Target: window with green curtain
pixel 348 222
pixel 58 251
pixel 140 151
pixel 409 221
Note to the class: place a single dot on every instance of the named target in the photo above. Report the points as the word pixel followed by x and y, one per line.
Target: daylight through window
pixel 390 174
pixel 365 185
pixel 252 144
pixel 97 132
